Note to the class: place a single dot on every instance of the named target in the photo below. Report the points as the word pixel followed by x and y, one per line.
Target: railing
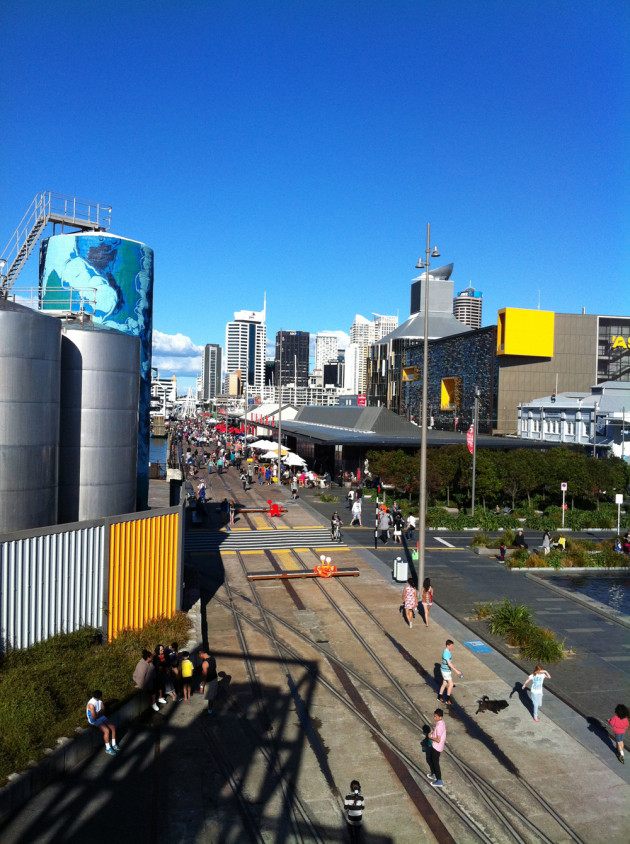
pixel 61 302
pixel 49 207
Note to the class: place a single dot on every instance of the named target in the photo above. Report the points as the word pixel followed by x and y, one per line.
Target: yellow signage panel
pixel 526 333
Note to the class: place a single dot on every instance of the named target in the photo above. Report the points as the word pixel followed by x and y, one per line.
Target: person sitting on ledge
pixel 519 540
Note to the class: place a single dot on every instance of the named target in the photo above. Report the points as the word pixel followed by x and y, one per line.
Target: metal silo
pixel 30 345
pixel 98 439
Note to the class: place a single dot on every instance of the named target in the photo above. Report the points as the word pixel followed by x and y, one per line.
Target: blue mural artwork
pixel 110 278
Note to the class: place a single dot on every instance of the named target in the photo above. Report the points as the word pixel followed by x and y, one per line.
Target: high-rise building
pixel 245 349
pixel 326 349
pixel 383 325
pixel 467 307
pixel 211 366
pixel 295 355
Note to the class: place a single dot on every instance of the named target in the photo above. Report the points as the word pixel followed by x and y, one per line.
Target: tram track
pixel 495 802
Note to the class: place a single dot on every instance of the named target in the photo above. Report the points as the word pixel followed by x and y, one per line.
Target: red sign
pixel 362 401
pixel 470 438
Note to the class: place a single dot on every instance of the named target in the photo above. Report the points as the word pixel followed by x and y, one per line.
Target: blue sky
pixel 300 148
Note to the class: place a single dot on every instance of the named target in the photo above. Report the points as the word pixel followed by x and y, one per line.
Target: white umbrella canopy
pixel 261 444
pixel 294 460
pixel 272 454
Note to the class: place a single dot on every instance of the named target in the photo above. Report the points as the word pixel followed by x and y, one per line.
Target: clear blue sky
pixel 301 147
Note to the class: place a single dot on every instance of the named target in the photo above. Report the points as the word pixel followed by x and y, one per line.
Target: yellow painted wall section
pixel 524 332
pixel 142 572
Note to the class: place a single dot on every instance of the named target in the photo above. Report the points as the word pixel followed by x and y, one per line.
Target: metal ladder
pixel 49 207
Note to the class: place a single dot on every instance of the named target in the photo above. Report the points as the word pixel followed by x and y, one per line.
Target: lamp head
pixel 420 264
pixel 435 253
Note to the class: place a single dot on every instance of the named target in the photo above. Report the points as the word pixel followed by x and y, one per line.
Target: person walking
pixel 619 723
pixel 411 525
pixel 95 712
pixel 244 481
pixel 294 487
pixel 537 679
pixel 398 527
pixel 384 523
pixel 354 804
pixel 232 512
pixel 209 678
pixel 187 669
pixel 356 511
pixel 410 601
pixel 427 599
pixel 447 669
pixel 437 737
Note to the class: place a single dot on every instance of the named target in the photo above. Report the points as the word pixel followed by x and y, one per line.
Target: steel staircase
pixel 55 208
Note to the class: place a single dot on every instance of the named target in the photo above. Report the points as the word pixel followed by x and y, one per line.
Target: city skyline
pixel 251 159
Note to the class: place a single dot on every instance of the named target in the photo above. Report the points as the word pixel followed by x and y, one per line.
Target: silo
pixel 98 438
pixel 110 278
pixel 30 346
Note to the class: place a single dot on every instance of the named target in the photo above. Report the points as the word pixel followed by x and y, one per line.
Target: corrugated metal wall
pixel 51 584
pixel 112 574
pixel 143 572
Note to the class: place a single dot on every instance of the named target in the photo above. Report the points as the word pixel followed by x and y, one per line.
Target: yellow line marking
pixel 260 523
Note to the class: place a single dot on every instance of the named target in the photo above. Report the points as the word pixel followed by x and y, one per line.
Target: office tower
pixel 326 349
pixel 467 307
pixel 361 335
pixel 211 366
pixel 295 355
pixel 245 349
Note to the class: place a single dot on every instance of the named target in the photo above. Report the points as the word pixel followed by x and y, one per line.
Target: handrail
pixel 49 206
pixel 30 297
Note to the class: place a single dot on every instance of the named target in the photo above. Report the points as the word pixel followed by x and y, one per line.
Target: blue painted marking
pixel 479 647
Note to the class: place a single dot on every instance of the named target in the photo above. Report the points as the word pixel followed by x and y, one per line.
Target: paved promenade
pixel 173 783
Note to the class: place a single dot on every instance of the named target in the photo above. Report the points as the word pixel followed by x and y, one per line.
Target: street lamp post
pixel 422 523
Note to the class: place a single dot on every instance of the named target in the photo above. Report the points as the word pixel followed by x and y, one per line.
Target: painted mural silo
pixel 30 347
pixel 111 278
pixel 100 374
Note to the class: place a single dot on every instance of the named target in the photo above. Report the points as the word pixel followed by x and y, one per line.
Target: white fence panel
pixel 50 584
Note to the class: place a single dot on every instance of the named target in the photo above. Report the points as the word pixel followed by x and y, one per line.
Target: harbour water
pixel 157 450
pixel 612 590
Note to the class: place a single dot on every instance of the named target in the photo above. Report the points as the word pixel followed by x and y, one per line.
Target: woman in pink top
pixel 427 599
pixel 619 723
pixel 438 738
pixel 410 600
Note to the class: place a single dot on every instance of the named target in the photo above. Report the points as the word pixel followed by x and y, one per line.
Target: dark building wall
pixel 470 360
pixel 295 356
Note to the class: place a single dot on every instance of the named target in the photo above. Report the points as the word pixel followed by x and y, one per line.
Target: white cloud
pixel 181 365
pixel 175 345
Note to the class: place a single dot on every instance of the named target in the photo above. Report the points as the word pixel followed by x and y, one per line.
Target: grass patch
pixel 328 499
pixel 44 689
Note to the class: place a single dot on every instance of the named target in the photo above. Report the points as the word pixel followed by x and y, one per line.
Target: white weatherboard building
pixel 599 420
pixel 245 350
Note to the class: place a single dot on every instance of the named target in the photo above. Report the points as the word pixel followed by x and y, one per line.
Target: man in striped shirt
pixel 354 805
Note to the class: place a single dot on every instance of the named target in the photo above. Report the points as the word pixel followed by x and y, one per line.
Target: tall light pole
pixel 422 518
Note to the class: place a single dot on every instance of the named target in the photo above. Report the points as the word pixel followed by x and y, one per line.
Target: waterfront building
pixel 245 350
pixel 385 373
pixel 211 367
pixel 163 394
pixel 527 354
pixel 467 307
pixel 295 357
pixel 599 420
pixel 326 348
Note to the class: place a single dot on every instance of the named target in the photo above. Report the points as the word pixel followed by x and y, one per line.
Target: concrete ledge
pixel 484 551
pixel 26 784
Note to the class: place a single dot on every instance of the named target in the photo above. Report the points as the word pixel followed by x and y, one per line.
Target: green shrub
pixel 327 499
pixel 484 610
pixel 507 538
pixel 612 559
pixel 542 646
pixel 521 632
pixel 481 539
pixel 506 615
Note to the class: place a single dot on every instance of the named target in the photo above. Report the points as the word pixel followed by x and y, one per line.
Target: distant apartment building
pixel 211 366
pixel 245 350
pixel 363 334
pixel 467 307
pixel 292 350
pixel 326 349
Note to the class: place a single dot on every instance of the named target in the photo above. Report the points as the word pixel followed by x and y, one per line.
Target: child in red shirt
pixel 619 723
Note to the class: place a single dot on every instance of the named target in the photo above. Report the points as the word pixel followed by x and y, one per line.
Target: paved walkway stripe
pixel 444 542
pixel 283 538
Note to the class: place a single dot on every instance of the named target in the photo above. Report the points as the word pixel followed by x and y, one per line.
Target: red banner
pixel 470 438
